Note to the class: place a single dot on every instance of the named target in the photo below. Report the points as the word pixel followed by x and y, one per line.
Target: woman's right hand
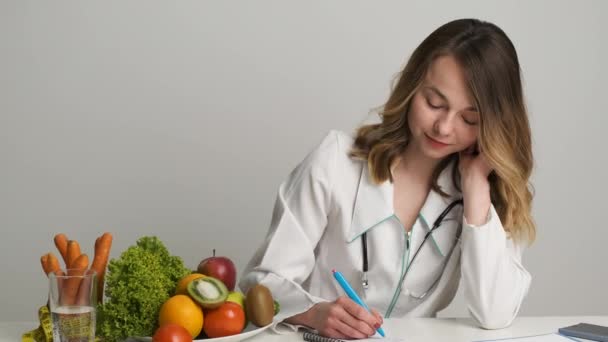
pixel 343 318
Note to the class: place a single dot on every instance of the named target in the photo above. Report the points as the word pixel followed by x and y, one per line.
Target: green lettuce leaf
pixel 137 284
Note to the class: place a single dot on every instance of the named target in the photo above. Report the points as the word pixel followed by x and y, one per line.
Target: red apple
pixel 220 268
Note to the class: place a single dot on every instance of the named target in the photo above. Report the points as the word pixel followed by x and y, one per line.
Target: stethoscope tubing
pixel 436 225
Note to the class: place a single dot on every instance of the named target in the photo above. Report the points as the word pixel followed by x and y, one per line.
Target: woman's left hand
pixel 474 171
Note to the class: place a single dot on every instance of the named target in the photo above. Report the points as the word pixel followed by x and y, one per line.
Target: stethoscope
pixel 436 224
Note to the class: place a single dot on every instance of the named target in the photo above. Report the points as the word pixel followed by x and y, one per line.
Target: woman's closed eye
pixel 469 120
pixel 435 105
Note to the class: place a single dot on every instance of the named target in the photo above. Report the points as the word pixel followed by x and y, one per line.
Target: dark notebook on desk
pixel 586 331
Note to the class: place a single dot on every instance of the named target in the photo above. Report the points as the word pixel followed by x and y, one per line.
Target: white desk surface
pixel 410 329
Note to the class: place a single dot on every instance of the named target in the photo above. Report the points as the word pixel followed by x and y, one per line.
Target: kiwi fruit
pixel 208 292
pixel 259 305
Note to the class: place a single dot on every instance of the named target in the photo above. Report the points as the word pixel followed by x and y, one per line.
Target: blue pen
pixel 352 294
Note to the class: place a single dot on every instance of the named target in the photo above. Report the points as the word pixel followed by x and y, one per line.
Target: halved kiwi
pixel 208 292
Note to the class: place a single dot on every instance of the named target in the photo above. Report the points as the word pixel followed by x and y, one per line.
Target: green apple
pixel 236 297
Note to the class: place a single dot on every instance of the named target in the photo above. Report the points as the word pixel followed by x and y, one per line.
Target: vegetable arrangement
pixel 150 292
pixel 77 263
pixel 138 283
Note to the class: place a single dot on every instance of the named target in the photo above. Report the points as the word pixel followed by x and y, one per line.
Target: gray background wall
pixel 180 119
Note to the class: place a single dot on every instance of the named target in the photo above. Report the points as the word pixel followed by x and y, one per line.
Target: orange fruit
pixel 182 284
pixel 182 310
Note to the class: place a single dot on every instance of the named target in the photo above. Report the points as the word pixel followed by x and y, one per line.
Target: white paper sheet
pixel 537 338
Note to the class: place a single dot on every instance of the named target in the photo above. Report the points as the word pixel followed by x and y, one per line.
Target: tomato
pixel 228 319
pixel 171 332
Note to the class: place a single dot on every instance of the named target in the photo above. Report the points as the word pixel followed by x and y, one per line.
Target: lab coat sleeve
pixel 494 279
pixel 286 258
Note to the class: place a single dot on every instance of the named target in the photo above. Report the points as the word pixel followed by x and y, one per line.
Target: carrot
pixel 71 285
pixel 72 253
pixel 45 265
pixel 83 297
pixel 53 263
pixel 49 263
pixel 103 244
pixel 61 242
pixel 59 278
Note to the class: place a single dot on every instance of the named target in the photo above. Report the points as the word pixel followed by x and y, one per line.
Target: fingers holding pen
pixel 378 316
pixel 357 317
pixel 342 319
pixel 360 314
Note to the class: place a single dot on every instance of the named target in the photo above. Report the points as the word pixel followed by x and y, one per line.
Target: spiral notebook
pixel 313 337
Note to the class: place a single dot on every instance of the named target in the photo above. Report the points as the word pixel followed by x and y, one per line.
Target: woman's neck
pixel 414 165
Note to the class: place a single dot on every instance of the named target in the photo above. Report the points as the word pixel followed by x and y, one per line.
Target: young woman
pixel 437 191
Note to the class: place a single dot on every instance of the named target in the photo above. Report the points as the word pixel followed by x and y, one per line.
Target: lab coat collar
pixel 374 203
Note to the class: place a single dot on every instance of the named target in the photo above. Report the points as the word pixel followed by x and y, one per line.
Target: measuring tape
pixel 44 332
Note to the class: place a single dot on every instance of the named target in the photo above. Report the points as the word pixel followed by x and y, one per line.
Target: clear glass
pixel 73 302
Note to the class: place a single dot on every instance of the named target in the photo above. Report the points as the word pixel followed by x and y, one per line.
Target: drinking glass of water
pixel 72 301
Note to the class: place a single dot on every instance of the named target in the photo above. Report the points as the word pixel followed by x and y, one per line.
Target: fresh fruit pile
pixel 206 305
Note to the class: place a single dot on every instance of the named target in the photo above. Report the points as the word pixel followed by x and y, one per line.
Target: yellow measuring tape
pixel 44 332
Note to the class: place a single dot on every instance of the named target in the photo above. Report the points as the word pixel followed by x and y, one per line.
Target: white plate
pixel 250 331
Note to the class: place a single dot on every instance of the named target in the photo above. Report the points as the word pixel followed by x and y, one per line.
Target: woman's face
pixel 442 116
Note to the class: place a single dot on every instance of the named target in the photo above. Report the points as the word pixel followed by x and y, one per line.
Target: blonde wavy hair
pixel 491 67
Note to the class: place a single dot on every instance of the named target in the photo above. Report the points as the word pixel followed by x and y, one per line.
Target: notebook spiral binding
pixel 312 337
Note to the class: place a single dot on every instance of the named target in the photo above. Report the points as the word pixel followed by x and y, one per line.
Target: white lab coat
pixel 325 205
